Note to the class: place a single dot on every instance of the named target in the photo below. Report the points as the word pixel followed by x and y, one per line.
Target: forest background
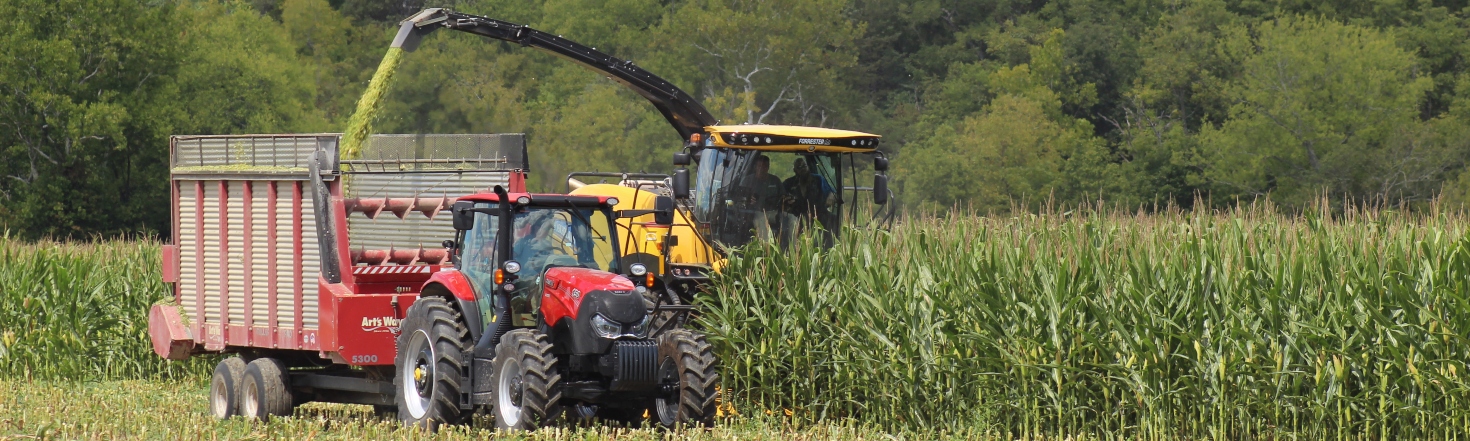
pixel 987 105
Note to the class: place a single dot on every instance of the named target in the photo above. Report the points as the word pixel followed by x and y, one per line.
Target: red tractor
pixel 563 326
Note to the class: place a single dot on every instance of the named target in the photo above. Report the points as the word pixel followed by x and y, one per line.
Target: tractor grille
pixel 636 365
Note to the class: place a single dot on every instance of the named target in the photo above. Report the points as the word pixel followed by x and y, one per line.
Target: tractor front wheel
pixel 430 360
pixel 687 374
pixel 525 381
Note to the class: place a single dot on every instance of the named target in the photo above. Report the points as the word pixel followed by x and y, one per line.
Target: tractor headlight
pixel 637 269
pixel 640 330
pixel 609 329
pixel 606 328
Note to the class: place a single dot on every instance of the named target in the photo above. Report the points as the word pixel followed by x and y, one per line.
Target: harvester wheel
pixel 266 391
pixel 525 381
pixel 225 387
pixel 429 365
pixel 687 374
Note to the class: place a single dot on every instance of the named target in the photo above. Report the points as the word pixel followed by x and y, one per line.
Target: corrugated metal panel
pixel 504 151
pixel 274 151
pixel 235 263
pixel 285 257
pixel 211 270
pixel 186 238
pixel 414 230
pixel 311 267
pixel 260 253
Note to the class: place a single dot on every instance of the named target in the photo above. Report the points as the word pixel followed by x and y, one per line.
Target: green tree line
pixel 995 106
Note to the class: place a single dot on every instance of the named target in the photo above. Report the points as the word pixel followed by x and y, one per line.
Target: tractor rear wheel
pixel 525 381
pixel 687 374
pixel 266 391
pixel 225 387
pixel 430 360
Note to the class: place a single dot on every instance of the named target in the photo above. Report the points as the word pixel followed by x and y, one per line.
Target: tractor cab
pixel 772 182
pixel 551 241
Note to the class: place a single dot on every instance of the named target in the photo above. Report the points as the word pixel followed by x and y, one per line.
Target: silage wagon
pixel 275 256
pixel 423 280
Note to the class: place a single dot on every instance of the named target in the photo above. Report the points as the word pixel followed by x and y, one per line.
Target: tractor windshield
pixel 742 195
pixel 546 237
pixel 541 238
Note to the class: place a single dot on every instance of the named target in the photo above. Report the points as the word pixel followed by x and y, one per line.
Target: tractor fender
pixel 452 281
pixel 455 288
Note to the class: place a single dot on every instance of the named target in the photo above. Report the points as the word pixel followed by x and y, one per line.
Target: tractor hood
pixel 566 288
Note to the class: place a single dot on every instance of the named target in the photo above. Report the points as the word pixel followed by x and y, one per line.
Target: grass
pixel 178 410
pixel 1220 325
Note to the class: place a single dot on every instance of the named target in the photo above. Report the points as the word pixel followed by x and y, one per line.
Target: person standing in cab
pixel 807 194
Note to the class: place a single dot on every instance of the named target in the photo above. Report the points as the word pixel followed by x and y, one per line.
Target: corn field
pixel 1224 325
pixel 1229 325
pixel 80 310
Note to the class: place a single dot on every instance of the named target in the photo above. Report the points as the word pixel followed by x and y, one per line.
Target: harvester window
pixel 735 206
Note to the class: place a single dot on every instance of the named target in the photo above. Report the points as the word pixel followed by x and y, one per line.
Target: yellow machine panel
pixel 774 138
pixel 640 235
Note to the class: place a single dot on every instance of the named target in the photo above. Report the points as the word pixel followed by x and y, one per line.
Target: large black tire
pixel 267 390
pixel 687 370
pixel 527 395
pixel 429 363
pixel 225 387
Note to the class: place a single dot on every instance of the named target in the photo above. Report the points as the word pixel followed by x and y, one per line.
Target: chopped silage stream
pixel 360 126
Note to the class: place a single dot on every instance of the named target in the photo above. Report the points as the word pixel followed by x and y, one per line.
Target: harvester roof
pixel 542 199
pixel 791 139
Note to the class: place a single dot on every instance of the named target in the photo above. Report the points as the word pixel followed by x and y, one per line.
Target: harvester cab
pixel 773 182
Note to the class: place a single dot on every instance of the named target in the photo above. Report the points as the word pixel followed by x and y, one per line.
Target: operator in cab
pixel 808 195
pixel 535 245
pixel 768 193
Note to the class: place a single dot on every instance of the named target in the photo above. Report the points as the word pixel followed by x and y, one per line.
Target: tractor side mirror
pixel 681 183
pixel 880 164
pixel 464 219
pixel 880 189
pixel 681 159
pixel 663 210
